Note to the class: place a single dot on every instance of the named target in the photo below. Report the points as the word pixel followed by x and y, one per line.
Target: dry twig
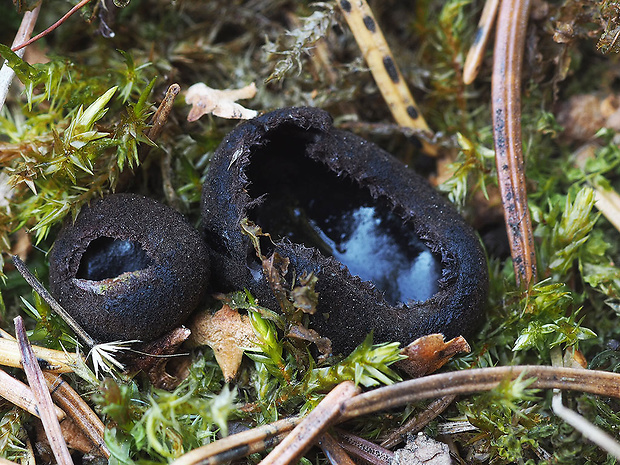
pixel 51 28
pixel 55 361
pixel 240 444
pixel 42 395
pixel 506 97
pixel 21 395
pixel 366 450
pixel 418 422
pixel 163 111
pixel 306 432
pixel 403 393
pixel 334 452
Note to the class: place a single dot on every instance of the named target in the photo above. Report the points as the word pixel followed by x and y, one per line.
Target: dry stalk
pixel 51 28
pixel 163 112
pixel 453 383
pixel 78 410
pixel 42 395
pixel 481 39
pixel 335 454
pixel 55 361
pixel 238 445
pixel 386 73
pixel 506 105
pixel 307 431
pixel 45 295
pixel 20 394
pixel 417 423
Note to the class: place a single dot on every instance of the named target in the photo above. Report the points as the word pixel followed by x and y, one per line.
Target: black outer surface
pixel 140 305
pixel 354 307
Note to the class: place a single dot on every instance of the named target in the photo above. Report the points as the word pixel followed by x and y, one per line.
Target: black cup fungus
pixel 128 268
pixel 391 255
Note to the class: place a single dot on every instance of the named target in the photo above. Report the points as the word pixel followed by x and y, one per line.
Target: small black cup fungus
pixel 128 268
pixel 391 255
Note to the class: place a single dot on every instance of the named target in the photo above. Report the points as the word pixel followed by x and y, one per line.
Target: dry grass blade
pixel 306 432
pixel 506 104
pixel 78 410
pixel 481 39
pixel 20 394
pixel 418 422
pixel 55 361
pixel 383 67
pixel 587 429
pixel 335 454
pixel 241 442
pixel 42 395
pixel 25 29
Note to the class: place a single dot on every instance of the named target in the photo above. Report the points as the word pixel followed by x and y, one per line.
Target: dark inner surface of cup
pixel 106 258
pixel 309 204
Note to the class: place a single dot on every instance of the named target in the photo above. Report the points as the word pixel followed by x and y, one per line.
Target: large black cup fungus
pixel 128 268
pixel 391 255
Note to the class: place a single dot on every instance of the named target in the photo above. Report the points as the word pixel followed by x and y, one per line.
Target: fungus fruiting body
pixel 391 255
pixel 128 268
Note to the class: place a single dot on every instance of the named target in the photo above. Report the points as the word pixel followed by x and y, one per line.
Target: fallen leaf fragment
pixel 228 333
pixel 222 103
pixel 429 353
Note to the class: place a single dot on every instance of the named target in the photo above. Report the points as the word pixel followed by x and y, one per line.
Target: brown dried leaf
pixel 429 353
pixel 228 333
pixel 205 100
pixel 323 344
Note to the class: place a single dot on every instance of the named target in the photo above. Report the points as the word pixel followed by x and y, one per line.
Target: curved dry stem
pixel 52 27
pixel 433 386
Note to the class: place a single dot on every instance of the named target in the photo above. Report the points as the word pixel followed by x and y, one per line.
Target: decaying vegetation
pixel 75 128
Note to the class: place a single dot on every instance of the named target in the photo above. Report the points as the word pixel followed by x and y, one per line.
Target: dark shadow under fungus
pixel 391 255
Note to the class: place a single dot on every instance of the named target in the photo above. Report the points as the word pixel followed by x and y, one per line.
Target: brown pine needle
pixel 52 27
pixel 506 102
pixel 244 443
pixel 21 395
pixel 41 393
pixel 418 422
pixel 163 112
pixel 481 39
pixel 397 395
pixel 78 410
pixel 386 73
pixel 307 431
pixel 334 452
